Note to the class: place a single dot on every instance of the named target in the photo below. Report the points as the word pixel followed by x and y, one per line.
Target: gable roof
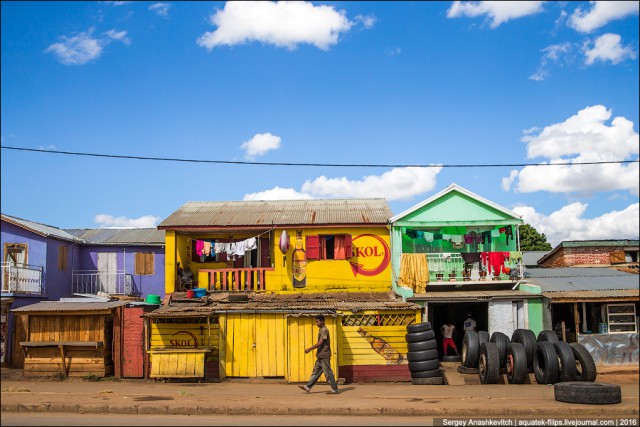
pixel 41 229
pixel 119 236
pixel 269 213
pixel 456 188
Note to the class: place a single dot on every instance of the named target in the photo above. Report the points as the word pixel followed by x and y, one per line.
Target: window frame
pixel 314 242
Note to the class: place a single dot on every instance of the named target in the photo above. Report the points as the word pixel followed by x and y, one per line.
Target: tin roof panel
pixel 55 306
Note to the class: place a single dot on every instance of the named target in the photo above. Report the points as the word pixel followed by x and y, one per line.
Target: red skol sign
pixel 190 342
pixel 371 255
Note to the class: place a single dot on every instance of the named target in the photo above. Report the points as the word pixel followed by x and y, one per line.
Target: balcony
pixel 450 267
pixel 93 281
pixel 236 279
pixel 22 278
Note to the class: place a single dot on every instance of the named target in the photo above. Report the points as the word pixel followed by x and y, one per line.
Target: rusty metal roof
pixel 279 213
pixel 581 279
pixel 573 296
pixel 471 295
pixel 217 302
pixel 41 229
pixel 119 236
pixel 57 306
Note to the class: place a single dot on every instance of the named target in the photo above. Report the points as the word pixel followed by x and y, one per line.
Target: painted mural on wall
pixel 299 263
pixel 371 253
pixel 383 348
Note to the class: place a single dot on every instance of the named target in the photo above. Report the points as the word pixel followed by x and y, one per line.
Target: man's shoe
pixel 334 392
pixel 305 388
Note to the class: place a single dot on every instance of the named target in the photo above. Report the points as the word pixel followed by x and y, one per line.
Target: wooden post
pixel 576 318
pixel 64 362
pixel 564 332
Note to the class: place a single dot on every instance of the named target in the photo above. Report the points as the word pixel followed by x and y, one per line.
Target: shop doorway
pixel 439 313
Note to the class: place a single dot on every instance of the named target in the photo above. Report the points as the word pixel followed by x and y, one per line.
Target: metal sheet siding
pixel 46 306
pixel 280 212
pixel 581 279
pixel 128 236
pixel 43 229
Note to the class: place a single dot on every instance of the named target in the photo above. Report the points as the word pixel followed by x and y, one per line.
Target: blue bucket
pixel 199 292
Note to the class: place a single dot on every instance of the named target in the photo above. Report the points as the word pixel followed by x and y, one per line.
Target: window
pixel 144 263
pixel 337 246
pixel 15 253
pixel 62 257
pixel 621 318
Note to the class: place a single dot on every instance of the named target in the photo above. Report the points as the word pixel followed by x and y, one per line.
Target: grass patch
pixel 16 390
pixel 58 376
pixel 98 378
pixel 106 391
pixel 184 392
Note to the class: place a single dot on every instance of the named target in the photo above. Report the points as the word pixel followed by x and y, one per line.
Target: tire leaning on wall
pixel 567 362
pixel 489 363
pixel 587 392
pixel 548 336
pixel 470 350
pixel 502 342
pixel 516 363
pixel 527 338
pixel 545 363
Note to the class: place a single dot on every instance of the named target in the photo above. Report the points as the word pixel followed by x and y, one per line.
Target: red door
pixel 133 343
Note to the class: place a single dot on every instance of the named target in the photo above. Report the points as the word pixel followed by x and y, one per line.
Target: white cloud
pixel 283 24
pixel 118 35
pixel 161 9
pixel 277 193
pixel 117 3
pixel 607 47
pixel 48 147
pixel 83 47
pixel 498 11
pixel 601 13
pixel 584 137
pixel 394 52
pixel 260 144
pixel 508 181
pixel 109 221
pixel 76 50
pixel 553 54
pixel 367 20
pixel 568 223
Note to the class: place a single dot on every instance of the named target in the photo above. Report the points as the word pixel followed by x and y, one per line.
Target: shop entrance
pixel 439 313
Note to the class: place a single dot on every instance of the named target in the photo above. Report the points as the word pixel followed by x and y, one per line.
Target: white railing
pixel 22 278
pixel 94 281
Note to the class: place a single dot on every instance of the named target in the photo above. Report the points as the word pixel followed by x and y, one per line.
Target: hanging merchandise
pixel 299 263
pixel 284 242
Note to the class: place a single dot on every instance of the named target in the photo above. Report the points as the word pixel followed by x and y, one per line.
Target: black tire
pixel 428 381
pixel 548 336
pixel 427 374
pixel 419 327
pixel 483 336
pixel 516 363
pixel 489 363
pixel 587 392
pixel 545 363
pixel 418 356
pixel 451 358
pixel 422 345
pixel 527 338
pixel 424 365
pixel 419 336
pixel 502 342
pixel 470 350
pixel 567 362
pixel 587 367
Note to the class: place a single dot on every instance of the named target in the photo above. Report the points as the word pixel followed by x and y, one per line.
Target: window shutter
pixel 348 246
pixel 148 267
pixel 313 247
pixel 138 261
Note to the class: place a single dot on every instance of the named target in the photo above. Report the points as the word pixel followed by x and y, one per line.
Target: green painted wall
pixel 534 308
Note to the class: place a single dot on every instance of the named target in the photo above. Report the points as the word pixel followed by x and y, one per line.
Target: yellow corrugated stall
pixel 254 345
pixel 179 349
pixel 374 338
pixel 303 333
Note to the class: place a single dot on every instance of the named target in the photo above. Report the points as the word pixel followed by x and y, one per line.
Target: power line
pixel 351 165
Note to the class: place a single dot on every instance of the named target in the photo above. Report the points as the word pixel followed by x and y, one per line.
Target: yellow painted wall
pixel 303 333
pixel 371 262
pixel 177 365
pixel 254 345
pixel 184 335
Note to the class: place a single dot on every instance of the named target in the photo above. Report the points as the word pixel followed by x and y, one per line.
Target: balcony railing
pixel 22 278
pixel 93 281
pixel 451 267
pixel 236 279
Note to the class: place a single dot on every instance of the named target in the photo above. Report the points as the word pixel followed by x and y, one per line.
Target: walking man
pixel 323 359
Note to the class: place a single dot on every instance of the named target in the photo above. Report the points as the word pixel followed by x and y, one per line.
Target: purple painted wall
pixel 143 285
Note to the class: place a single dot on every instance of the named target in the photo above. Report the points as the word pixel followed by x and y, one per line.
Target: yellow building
pixel 268 267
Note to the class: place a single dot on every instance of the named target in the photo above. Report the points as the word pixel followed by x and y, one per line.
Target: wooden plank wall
pixel 356 350
pixel 80 361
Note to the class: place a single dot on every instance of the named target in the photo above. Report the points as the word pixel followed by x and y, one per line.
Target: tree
pixel 531 240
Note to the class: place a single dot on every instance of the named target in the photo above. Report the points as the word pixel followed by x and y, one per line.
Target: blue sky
pixel 402 83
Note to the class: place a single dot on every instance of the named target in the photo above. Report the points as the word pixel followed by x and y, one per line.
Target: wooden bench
pixel 62 345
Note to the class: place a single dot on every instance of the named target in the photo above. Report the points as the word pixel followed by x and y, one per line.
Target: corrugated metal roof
pixel 591 244
pixel 530 258
pixel 279 212
pixel 581 279
pixel 41 229
pixel 471 295
pixel 51 306
pixel 119 236
pixel 219 302
pixel 622 294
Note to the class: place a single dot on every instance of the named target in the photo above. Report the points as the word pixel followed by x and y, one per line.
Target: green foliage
pixel 531 240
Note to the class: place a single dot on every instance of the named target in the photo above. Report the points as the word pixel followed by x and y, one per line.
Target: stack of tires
pixel 557 361
pixel 423 355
